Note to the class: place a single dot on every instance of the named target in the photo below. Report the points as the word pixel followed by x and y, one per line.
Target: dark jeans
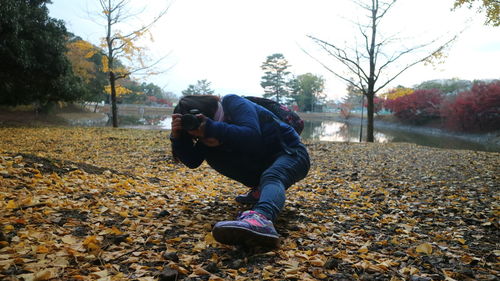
pixel 283 172
pixel 270 175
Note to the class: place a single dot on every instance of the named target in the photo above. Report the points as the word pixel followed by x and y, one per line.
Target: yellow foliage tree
pixel 119 45
pixel 491 7
pixel 396 93
pixel 78 53
pixel 119 89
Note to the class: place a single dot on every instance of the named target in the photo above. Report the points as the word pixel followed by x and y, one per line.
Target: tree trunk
pixel 361 125
pixel 114 108
pixel 369 114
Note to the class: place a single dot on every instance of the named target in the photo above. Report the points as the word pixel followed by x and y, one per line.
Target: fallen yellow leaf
pixel 200 271
pixel 8 228
pixel 68 239
pixel 45 275
pixel 363 250
pixel 11 205
pixel 90 239
pixel 317 262
pixel 425 248
pixel 42 249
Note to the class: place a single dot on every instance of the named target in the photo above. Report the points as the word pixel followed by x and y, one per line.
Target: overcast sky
pixel 226 41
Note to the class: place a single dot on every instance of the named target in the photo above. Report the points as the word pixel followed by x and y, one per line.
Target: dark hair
pixel 206 104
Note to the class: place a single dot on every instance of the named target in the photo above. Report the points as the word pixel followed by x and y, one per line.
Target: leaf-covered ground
pixel 111 204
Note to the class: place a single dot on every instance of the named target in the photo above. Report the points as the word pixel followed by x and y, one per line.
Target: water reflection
pixel 316 130
pixel 346 132
pixel 166 123
pixel 145 122
pixel 337 132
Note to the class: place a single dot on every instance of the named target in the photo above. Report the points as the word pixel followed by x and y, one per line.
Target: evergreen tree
pixel 202 87
pixel 34 67
pixel 152 90
pixel 275 77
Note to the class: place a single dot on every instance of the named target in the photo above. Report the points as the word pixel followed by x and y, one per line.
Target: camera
pixel 189 121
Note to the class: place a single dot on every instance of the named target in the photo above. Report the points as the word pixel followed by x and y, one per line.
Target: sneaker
pixel 251 198
pixel 251 229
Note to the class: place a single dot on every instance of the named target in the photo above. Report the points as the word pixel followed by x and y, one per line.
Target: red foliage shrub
pixel 155 100
pixel 164 101
pixel 152 99
pixel 474 110
pixel 417 107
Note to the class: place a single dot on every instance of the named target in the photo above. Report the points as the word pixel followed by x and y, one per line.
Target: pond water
pixel 347 132
pixel 342 132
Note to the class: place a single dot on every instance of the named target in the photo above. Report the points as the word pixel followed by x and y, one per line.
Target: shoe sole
pixel 242 236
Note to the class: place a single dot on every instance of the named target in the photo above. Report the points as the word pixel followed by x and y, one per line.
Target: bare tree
pixel 369 61
pixel 120 46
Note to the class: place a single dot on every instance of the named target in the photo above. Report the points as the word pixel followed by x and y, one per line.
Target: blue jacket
pixel 251 137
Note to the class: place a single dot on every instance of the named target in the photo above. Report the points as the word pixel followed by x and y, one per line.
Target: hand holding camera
pixel 192 122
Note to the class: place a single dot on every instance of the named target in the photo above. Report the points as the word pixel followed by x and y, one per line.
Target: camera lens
pixel 189 122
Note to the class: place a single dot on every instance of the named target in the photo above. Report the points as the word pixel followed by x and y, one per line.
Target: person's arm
pixel 183 146
pixel 244 132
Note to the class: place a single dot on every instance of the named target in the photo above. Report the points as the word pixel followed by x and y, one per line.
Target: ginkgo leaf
pixel 101 274
pixel 45 274
pixel 68 239
pixel 42 249
pixel 317 262
pixel 8 228
pixel 90 239
pixel 363 249
pixel 61 262
pixel 11 205
pixel 68 198
pixel 425 248
pixel 200 271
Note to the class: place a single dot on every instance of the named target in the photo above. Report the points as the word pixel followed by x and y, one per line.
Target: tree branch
pixel 132 35
pixel 340 56
pixel 440 48
pixel 331 71
pixel 384 11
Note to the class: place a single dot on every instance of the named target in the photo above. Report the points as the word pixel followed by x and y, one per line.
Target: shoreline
pixel 491 138
pixel 25 118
